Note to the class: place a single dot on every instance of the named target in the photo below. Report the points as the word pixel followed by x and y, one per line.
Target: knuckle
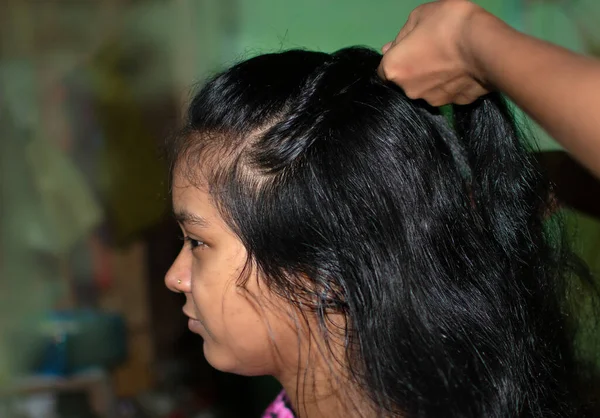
pixel 414 15
pixel 437 99
pixel 463 99
pixel 385 72
pixel 388 70
pixel 412 93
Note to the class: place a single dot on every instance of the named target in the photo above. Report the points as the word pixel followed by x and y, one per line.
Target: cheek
pixel 239 340
pixel 242 319
pixel 224 308
pixel 250 337
pixel 242 328
pixel 214 291
pixel 255 326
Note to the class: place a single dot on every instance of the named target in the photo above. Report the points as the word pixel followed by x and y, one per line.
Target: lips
pixel 195 326
pixel 189 316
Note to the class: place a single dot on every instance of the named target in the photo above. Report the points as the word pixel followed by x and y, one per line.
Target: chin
pixel 227 362
pixel 218 358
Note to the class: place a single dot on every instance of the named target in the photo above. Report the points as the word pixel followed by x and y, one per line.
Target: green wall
pixel 270 25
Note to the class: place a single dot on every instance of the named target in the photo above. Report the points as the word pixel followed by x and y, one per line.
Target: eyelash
pixel 194 243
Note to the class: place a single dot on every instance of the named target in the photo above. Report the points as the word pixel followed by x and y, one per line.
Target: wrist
pixel 473 41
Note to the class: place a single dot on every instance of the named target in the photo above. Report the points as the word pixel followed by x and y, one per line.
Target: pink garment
pixel 280 408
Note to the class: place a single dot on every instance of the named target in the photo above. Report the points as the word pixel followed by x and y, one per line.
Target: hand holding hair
pixel 453 51
pixel 430 59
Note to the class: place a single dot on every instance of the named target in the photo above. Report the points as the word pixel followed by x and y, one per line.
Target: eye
pixel 194 243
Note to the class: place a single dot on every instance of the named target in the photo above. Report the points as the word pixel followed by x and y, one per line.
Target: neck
pixel 315 394
pixel 316 380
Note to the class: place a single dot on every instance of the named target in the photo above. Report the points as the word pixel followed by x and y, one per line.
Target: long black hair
pixel 431 235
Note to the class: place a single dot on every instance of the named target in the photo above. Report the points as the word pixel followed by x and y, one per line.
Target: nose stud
pixel 178 281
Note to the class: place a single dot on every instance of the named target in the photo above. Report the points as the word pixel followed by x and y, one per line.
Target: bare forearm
pixel 557 88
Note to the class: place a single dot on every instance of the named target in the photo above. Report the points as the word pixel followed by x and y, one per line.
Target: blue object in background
pixel 81 339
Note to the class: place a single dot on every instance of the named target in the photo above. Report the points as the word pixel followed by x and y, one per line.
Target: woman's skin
pixel 453 51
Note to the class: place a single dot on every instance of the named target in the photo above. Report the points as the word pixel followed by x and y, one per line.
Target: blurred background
pixel 89 89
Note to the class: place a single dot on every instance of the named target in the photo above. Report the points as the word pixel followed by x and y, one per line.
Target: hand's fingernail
pixel 385 48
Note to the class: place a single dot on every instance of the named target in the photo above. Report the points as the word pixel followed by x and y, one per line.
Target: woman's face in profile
pixel 238 325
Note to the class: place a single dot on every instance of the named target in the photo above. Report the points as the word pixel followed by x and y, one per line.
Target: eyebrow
pixel 185 217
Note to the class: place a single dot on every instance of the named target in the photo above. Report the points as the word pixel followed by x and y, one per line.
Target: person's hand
pixel 430 58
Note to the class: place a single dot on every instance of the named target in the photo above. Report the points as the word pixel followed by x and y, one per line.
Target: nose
pixel 179 277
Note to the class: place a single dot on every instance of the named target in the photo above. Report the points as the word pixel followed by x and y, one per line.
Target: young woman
pixel 378 258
